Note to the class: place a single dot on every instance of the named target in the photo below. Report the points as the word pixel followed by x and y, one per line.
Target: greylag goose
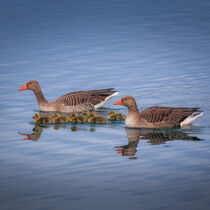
pixel 156 116
pixel 71 102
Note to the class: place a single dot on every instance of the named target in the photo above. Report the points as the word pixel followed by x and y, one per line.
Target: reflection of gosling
pixel 60 119
pixel 97 119
pixel 41 120
pixel 37 129
pixel 74 128
pixel 56 127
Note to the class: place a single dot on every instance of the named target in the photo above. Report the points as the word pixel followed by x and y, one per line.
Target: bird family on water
pixel 84 117
pixel 87 102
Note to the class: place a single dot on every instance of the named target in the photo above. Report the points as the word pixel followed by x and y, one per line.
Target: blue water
pixel 157 51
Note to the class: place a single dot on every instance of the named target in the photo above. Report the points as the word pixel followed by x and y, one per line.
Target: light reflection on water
pixel 146 49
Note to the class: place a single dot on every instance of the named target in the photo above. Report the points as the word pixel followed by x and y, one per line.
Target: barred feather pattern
pixel 80 108
pixel 156 116
pixel 91 97
pixel 70 102
pixel 166 116
pixel 158 137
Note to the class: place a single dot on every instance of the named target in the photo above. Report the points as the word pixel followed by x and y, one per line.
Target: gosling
pixel 98 120
pixel 60 119
pixel 85 114
pixel 115 116
pixel 73 117
pixel 41 120
pixel 93 114
pixel 81 119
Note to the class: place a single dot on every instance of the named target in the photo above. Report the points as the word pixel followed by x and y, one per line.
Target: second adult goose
pixel 71 102
pixel 156 116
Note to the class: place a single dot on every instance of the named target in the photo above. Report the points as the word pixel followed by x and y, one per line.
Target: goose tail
pixel 105 100
pixel 190 119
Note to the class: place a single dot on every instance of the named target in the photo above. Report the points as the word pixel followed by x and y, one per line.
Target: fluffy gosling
pixel 120 116
pixel 41 120
pixel 98 120
pixel 60 119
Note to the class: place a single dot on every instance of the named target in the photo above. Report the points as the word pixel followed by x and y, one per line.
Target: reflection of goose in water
pixel 35 135
pixel 37 130
pixel 159 137
pixel 153 136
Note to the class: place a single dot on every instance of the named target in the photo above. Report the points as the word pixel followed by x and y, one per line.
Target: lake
pixel 156 51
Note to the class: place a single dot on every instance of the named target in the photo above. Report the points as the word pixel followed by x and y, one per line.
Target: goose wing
pixel 167 115
pixel 85 97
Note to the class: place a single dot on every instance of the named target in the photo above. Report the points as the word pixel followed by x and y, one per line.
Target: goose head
pixel 30 85
pixel 128 101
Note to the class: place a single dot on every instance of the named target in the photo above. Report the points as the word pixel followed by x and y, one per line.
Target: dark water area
pixel 157 51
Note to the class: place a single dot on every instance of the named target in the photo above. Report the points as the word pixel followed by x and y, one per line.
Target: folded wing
pixel 93 97
pixel 167 116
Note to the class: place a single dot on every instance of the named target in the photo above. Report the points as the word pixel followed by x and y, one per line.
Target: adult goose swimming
pixel 71 102
pixel 157 116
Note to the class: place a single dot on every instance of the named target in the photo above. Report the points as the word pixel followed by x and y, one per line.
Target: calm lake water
pixel 157 51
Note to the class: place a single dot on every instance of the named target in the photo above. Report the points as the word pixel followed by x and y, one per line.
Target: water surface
pixel 157 51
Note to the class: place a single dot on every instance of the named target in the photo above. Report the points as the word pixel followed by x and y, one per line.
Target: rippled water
pixel 157 51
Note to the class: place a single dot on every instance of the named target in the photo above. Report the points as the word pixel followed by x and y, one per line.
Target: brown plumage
pixel 34 136
pixel 156 116
pixel 71 102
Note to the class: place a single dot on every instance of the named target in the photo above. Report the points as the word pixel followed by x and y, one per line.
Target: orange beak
pixel 120 151
pixel 118 102
pixel 24 134
pixel 23 88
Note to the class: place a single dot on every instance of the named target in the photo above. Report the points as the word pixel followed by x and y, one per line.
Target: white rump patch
pixel 190 119
pixel 106 99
